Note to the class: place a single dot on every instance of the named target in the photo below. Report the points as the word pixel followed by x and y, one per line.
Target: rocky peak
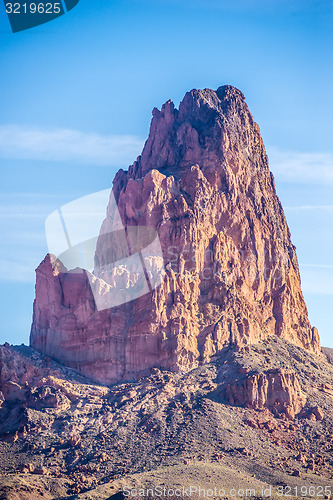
pixel 231 273
pixel 181 138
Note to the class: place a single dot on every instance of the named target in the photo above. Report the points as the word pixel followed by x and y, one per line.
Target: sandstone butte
pixel 232 277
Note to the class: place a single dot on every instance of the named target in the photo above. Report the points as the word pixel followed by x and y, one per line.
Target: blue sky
pixel 76 97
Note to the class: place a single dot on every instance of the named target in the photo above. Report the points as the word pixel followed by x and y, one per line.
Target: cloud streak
pixel 317 279
pixel 18 142
pixel 301 168
pixel 67 145
pixel 319 266
pixel 312 208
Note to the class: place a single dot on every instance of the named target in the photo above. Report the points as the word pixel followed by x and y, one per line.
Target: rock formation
pixel 61 435
pixel 277 389
pixel 231 272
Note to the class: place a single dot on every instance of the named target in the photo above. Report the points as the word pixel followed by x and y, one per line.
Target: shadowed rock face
pixel 232 276
pixel 277 389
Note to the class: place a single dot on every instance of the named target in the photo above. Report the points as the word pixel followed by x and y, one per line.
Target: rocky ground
pixel 254 417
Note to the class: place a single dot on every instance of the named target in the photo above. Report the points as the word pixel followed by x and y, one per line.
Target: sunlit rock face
pixel 230 270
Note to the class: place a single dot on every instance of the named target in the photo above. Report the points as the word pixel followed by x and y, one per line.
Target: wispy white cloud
pixel 310 208
pixel 317 279
pixel 320 266
pixel 14 270
pixel 295 167
pixel 18 142
pixel 21 250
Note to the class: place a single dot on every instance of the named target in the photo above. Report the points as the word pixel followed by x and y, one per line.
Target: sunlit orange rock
pixel 232 277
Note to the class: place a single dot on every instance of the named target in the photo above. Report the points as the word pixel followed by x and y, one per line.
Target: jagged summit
pixel 232 278
pixel 200 121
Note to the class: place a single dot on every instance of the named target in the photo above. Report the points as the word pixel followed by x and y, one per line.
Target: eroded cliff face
pixel 277 389
pixel 203 183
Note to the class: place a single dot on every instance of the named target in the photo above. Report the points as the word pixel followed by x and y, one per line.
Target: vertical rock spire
pixel 203 183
